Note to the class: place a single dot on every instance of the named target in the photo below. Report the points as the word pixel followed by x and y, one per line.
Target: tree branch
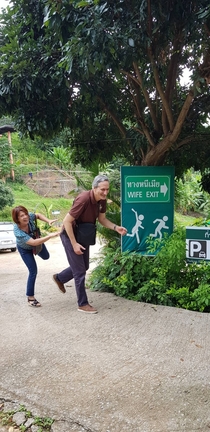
pixel 139 82
pixel 146 96
pixel 161 92
pixel 140 116
pixel 118 123
pixel 171 77
pixel 116 120
pixel 173 66
pixel 185 141
pixel 182 116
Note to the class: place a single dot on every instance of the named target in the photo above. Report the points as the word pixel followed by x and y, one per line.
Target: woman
pixel 24 227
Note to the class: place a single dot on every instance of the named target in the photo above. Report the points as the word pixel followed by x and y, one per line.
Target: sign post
pixel 147 197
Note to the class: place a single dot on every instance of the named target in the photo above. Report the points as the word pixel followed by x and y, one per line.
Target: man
pixel 87 207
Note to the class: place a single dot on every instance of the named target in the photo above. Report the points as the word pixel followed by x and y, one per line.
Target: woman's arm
pixel 41 240
pixel 45 219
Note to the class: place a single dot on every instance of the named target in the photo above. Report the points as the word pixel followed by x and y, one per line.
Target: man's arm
pixel 67 222
pixel 108 224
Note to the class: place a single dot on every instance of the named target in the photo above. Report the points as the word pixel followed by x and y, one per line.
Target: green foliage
pixel 62 157
pixel 5 164
pixel 33 202
pixel 29 72
pixel 205 182
pixel 183 219
pixel 6 196
pixel 30 151
pixel 188 194
pixel 166 278
pixel 111 73
pixel 6 417
pixel 198 300
pixel 44 423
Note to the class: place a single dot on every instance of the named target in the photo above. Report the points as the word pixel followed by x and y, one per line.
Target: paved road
pixel 133 367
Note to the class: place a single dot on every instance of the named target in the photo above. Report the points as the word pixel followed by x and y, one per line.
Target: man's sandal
pixel 33 303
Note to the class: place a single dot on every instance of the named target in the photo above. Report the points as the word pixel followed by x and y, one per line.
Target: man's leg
pixel 77 270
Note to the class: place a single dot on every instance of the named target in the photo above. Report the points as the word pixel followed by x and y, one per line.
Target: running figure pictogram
pixel 136 227
pixel 160 226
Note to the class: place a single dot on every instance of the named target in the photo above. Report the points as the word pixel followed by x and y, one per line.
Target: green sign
pixel 147 189
pixel 198 232
pixel 147 199
pixel 198 243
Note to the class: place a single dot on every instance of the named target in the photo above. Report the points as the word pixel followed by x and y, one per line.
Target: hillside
pixel 52 183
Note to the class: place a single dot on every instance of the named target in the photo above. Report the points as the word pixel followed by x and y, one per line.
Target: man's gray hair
pixel 98 179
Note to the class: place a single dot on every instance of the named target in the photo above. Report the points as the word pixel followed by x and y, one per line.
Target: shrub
pixel 165 278
pixel 6 196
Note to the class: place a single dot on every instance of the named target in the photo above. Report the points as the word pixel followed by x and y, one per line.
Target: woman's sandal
pixel 33 303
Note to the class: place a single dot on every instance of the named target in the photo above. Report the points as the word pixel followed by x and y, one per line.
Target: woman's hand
pixel 54 234
pixel 43 218
pixel 52 221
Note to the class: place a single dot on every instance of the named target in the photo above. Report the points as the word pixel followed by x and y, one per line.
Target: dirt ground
pixel 133 367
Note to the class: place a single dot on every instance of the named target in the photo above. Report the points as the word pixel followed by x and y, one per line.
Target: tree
pixel 32 87
pixel 111 72
pixel 6 196
pixel 5 161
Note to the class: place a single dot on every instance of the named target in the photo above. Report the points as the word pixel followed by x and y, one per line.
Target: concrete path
pixel 133 367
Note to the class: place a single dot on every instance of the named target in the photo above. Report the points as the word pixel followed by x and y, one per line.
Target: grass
pixel 184 220
pixel 36 203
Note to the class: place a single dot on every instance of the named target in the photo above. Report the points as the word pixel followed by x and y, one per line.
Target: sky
pixel 3 3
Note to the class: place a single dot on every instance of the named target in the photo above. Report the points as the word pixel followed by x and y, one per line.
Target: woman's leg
pixel 44 254
pixel 28 258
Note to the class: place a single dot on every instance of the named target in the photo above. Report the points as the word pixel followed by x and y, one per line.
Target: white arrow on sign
pixel 163 189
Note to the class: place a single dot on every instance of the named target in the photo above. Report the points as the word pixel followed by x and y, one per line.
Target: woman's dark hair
pixel 16 211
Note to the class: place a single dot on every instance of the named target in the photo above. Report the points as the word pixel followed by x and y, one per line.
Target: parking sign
pixel 198 243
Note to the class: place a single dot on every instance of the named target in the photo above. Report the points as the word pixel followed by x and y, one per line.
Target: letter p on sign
pixel 197 249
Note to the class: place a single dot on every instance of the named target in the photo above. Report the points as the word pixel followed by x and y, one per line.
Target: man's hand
pixel 78 249
pixel 121 230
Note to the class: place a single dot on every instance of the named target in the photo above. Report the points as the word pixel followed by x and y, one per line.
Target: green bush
pixel 188 194
pixel 6 196
pixel 165 278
